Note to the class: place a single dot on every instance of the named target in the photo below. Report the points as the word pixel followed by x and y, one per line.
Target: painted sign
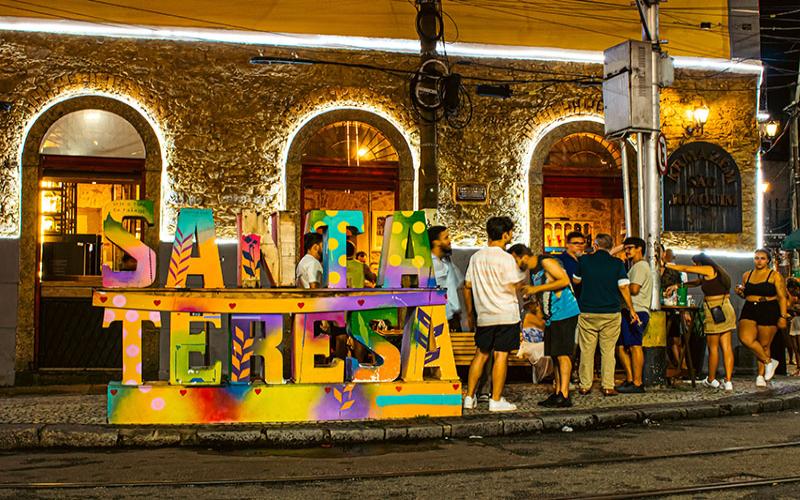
pixel 702 190
pixel 384 378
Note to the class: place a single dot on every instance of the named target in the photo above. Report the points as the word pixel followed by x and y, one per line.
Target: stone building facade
pixel 221 133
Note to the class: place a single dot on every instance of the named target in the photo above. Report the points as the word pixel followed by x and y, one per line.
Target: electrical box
pixel 627 91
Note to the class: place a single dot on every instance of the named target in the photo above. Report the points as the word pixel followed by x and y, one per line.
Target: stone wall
pixel 224 130
pixel 226 125
pixel 732 125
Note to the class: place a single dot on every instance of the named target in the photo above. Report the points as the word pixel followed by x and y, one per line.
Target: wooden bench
pixel 464 349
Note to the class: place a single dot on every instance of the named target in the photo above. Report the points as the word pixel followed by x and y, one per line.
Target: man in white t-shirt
pixel 491 285
pixel 308 273
pixel 630 352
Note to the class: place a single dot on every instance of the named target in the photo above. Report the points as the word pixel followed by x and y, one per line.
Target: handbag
pixel 717 314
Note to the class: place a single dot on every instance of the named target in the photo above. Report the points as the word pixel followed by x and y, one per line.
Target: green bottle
pixel 682 296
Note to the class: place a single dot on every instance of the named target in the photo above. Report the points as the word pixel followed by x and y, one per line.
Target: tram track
pixel 309 479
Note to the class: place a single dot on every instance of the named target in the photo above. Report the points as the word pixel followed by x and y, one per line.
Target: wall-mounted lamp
pixel 699 117
pixel 771 129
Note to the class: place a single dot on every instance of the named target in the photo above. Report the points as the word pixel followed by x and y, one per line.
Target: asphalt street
pixel 627 459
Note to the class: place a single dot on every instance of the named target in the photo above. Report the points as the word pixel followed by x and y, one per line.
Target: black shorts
pixel 559 337
pixel 502 338
pixel 765 313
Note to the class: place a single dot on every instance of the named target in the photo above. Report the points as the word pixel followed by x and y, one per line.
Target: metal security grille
pixel 71 336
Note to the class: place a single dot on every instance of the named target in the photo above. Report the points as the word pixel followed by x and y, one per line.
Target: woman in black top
pixel 716 285
pixel 763 313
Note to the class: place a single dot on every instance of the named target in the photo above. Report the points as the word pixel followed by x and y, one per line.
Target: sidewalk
pixel 76 418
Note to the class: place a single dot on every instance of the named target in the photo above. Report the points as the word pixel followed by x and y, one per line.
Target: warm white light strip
pixel 703 63
pixel 352 105
pixel 145 113
pixel 344 42
pixel 713 253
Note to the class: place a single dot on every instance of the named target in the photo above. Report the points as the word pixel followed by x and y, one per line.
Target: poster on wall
pixel 378 221
pixel 702 190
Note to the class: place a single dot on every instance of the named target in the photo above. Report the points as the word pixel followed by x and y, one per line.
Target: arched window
pixel 93 132
pixel 88 158
pixel 584 151
pixel 350 143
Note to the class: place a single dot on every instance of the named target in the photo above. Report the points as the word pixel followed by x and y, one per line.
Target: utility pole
pixel 794 131
pixel 648 13
pixel 428 25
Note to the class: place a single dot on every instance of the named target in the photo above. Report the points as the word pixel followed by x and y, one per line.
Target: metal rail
pixel 443 471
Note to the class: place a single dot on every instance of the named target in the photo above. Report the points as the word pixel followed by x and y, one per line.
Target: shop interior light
pixel 765 187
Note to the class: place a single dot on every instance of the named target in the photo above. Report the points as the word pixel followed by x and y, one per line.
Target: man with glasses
pixel 641 289
pixel 576 243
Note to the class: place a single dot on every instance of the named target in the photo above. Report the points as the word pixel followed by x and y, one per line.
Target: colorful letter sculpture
pixel 183 342
pixel 195 224
pixel 246 345
pixel 131 339
pixel 406 251
pixel 257 250
pixel 387 366
pixel 113 215
pixel 334 244
pixel 376 380
pixel 308 346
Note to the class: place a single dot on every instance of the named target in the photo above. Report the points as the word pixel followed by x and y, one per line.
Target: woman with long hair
pixel 720 317
pixel 764 311
pixel 793 287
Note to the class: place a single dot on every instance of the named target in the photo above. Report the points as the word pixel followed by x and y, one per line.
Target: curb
pixel 76 436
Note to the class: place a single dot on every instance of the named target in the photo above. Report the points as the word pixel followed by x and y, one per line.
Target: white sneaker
pixel 728 385
pixel 470 403
pixel 760 381
pixel 501 405
pixel 714 384
pixel 769 369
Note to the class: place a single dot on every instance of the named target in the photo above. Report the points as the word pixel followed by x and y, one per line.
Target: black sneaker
pixel 631 389
pixel 621 387
pixel 562 402
pixel 550 401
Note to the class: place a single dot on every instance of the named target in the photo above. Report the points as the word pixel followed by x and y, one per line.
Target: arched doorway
pixel 350 159
pixel 79 155
pixel 351 165
pixel 579 177
pixel 582 189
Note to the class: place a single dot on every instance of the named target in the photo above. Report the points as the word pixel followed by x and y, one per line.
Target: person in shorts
pixel 491 285
pixel 630 351
pixel 561 316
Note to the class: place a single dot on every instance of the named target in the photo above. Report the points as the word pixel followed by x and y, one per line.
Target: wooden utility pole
pixel 428 174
